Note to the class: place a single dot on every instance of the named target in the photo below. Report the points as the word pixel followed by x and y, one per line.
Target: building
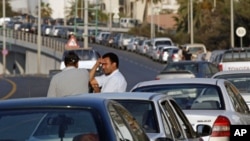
pixel 130 8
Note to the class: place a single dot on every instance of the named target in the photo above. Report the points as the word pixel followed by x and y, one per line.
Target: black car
pixel 201 69
pixel 67 119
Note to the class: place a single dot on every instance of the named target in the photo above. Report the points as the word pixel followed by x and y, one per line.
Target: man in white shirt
pixel 71 80
pixel 112 80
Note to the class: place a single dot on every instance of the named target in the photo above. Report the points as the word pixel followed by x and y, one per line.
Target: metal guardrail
pixel 49 45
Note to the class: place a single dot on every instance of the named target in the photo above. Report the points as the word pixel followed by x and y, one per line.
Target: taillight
pixel 220 67
pixel 221 127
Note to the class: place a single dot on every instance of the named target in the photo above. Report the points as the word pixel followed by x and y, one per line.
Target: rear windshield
pixel 234 56
pixel 190 96
pixel 164 42
pixel 192 67
pixel 85 54
pixel 241 81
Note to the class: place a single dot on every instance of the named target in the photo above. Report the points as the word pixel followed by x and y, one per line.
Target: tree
pixel 70 11
pixel 46 10
pixel 9 12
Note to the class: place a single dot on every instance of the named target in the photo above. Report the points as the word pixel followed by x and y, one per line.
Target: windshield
pixel 27 125
pixel 190 96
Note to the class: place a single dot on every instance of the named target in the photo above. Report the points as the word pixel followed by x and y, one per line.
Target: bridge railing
pixel 29 40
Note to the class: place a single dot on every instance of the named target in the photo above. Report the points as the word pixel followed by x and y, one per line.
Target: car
pixel 133 43
pixel 164 53
pixel 66 119
pixel 158 114
pixel 88 57
pixel 215 102
pixel 235 59
pixel 173 55
pixel 194 49
pixel 240 78
pixel 200 69
pixel 174 74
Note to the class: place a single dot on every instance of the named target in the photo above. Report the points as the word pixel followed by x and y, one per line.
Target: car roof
pixel 57 102
pixel 130 96
pixel 179 81
pixel 231 72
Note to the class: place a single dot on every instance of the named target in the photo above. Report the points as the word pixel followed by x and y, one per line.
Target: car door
pixel 239 103
pixel 127 128
pixel 174 123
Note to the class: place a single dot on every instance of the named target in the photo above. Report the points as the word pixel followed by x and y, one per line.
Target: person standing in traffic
pixel 112 80
pixel 71 80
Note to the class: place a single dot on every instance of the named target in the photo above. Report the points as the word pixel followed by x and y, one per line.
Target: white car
pixel 215 102
pixel 240 78
pixel 87 57
pixel 158 114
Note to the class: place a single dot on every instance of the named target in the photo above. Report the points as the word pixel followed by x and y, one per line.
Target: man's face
pixel 107 66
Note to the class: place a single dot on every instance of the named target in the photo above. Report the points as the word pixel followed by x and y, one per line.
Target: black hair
pixel 71 58
pixel 113 58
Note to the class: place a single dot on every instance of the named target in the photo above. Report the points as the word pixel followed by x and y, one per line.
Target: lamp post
pixel 86 24
pixel 110 16
pixel 191 23
pixel 4 38
pixel 232 23
pixel 152 21
pixel 39 39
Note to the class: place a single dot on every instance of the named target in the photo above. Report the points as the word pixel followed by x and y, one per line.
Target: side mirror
pixel 203 130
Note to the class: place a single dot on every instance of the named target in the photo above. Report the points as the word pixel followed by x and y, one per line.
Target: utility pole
pixel 232 23
pixel 39 39
pixel 191 23
pixel 4 37
pixel 86 24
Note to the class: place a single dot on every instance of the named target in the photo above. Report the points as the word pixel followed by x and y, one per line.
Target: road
pixel 135 68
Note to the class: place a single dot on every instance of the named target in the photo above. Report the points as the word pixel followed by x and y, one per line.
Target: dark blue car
pixel 67 119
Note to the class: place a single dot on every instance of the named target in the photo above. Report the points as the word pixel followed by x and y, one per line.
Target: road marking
pixel 13 90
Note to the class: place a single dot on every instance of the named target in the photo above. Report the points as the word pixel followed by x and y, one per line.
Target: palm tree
pixel 72 9
pixel 46 10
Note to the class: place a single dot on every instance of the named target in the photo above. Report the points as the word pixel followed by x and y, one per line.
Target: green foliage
pixel 9 12
pixel 212 24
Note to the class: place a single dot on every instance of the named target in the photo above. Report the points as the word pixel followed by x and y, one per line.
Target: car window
pixel 144 112
pixel 175 124
pixel 126 126
pixel 232 56
pixel 241 81
pixel 85 54
pixel 190 96
pixel 236 98
pixel 188 129
pixel 47 124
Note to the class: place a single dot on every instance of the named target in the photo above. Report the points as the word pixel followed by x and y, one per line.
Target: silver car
pixel 158 114
pixel 240 78
pixel 215 102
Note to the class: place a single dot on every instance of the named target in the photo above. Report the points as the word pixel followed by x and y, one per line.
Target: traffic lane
pixel 26 86
pixel 135 67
